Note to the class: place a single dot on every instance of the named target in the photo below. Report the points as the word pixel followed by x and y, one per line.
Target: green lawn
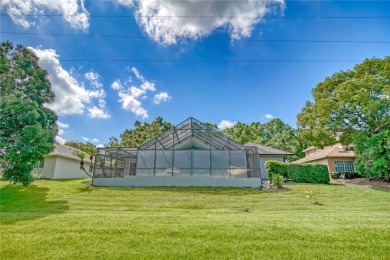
pixel 66 219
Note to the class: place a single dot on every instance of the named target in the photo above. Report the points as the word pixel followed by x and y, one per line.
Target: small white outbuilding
pixel 62 163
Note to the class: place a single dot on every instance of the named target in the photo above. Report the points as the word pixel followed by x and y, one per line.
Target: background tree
pixel 353 106
pixel 211 125
pixel 142 132
pixel 114 142
pixel 88 148
pixel 243 133
pixel 279 135
pixel 274 133
pixel 27 127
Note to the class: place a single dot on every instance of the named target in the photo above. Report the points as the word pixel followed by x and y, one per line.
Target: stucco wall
pixel 263 159
pixel 48 168
pixel 67 169
pixel 330 162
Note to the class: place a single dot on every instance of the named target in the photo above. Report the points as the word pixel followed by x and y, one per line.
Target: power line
pixel 205 60
pixel 207 16
pixel 245 1
pixel 178 38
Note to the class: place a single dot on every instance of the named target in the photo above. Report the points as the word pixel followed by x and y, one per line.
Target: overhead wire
pixel 208 16
pixel 206 39
pixel 205 60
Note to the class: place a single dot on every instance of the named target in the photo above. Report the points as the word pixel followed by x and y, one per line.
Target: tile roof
pixel 310 148
pixel 266 150
pixel 330 151
pixel 66 151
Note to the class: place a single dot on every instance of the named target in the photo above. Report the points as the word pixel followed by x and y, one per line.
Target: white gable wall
pixel 68 169
pixel 48 169
pixel 263 159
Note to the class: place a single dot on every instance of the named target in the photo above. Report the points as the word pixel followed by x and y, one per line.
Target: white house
pixel 62 163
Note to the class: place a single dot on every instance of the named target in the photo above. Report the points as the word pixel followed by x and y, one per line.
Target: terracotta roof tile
pixel 330 151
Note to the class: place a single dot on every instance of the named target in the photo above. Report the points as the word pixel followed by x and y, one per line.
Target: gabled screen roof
pixel 194 129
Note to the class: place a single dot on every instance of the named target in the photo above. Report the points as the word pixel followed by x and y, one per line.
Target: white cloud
pixel 94 79
pixel 117 85
pixel 72 97
pixel 25 12
pixel 161 97
pixel 166 21
pixel 61 127
pixel 95 140
pixel 60 140
pixel 132 96
pixel 70 94
pixel 269 116
pixel 96 112
pixel 226 124
pixel 131 103
pixel 100 145
pixel 137 74
pixel 129 3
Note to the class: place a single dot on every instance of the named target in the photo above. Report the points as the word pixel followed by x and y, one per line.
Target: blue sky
pixel 114 62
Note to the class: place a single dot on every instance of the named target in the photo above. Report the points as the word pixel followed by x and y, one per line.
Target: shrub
pixel 276 167
pixel 345 175
pixel 37 176
pixel 335 175
pixel 312 197
pixel 299 172
pixel 278 180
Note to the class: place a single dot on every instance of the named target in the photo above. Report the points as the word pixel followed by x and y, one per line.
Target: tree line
pixel 348 107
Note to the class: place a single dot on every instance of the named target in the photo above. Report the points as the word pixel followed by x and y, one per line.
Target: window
pixel 39 164
pixel 344 166
pixel 132 168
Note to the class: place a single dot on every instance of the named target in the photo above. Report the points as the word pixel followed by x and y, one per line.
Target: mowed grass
pixel 68 220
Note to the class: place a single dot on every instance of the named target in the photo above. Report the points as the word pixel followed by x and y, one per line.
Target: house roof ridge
pixel 264 150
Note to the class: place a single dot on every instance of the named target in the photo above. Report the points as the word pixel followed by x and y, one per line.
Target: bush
pixel 278 180
pixel 37 176
pixel 276 167
pixel 345 175
pixel 335 175
pixel 299 172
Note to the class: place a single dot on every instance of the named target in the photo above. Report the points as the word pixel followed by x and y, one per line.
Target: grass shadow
pixel 379 189
pixel 86 189
pixel 18 204
pixel 212 191
pixel 336 184
pixel 273 189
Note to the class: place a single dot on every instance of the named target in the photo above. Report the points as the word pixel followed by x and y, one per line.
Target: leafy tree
pixel 88 148
pixel 373 154
pixel 353 106
pixel 114 142
pixel 143 132
pixel 211 125
pixel 279 135
pixel 274 133
pixel 244 133
pixel 27 127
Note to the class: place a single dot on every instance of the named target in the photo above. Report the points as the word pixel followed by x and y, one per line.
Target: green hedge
pixel 299 172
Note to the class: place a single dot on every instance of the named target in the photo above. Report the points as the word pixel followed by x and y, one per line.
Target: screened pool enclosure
pixel 189 154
